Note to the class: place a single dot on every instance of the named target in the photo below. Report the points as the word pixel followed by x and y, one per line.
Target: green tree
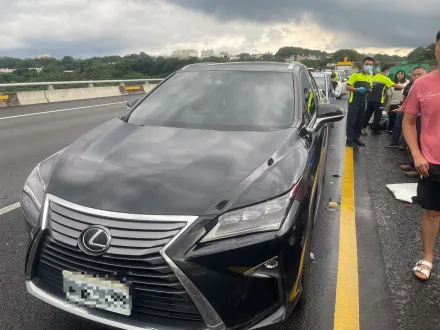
pixel 351 54
pixel 245 56
pixel 418 55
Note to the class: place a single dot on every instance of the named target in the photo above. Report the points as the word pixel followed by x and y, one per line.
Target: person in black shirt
pixel 397 140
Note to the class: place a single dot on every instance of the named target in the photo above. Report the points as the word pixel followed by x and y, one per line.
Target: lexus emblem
pixel 94 240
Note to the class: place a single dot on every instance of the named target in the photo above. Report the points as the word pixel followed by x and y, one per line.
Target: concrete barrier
pixel 31 97
pixel 70 94
pixel 8 99
pixel 106 91
pixel 127 90
pixel 60 95
pixel 149 87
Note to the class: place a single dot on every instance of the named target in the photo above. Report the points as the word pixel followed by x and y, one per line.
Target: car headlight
pixel 32 196
pixel 266 216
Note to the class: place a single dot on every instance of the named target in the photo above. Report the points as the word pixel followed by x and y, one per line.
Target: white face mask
pixel 368 69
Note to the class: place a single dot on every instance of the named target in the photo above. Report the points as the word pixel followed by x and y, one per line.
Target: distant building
pixel 185 53
pixel 233 57
pixel 224 54
pixel 37 69
pixel 290 59
pixel 68 71
pixel 5 70
pixel 207 53
pixel 39 57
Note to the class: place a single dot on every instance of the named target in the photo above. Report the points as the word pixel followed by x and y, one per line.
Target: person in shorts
pixel 424 99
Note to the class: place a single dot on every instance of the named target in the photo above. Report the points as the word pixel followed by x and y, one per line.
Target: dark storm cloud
pixel 87 47
pixel 374 23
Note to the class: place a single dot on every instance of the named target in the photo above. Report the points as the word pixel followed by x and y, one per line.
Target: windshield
pixel 221 100
pixel 320 82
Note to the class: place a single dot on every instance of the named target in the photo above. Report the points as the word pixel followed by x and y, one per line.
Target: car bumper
pixel 111 320
pixel 246 300
pixel 115 322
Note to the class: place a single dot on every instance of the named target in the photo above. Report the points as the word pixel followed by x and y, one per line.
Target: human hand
pixel 398 110
pixel 362 90
pixel 421 165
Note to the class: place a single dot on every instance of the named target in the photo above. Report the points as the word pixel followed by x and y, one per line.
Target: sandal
pixel 426 272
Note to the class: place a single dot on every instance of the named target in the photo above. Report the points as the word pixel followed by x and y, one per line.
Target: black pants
pixel 334 84
pixel 373 108
pixel 392 117
pixel 355 119
pixel 428 193
pixel 397 130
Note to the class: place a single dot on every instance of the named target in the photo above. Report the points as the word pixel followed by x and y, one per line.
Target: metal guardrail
pixel 89 82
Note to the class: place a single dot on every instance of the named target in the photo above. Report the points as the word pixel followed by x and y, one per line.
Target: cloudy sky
pixel 84 28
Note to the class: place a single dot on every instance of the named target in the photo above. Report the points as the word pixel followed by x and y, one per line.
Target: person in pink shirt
pixel 424 100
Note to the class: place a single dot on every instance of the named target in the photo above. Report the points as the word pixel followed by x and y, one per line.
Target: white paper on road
pixel 403 191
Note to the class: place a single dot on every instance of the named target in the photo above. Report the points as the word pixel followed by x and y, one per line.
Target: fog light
pixel 267 269
pixel 271 264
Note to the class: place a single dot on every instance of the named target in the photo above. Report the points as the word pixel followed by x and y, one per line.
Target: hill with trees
pixel 142 65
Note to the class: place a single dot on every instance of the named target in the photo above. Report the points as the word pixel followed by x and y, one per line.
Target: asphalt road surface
pixel 382 293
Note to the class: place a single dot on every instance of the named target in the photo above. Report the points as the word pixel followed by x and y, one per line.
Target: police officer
pixel 359 86
pixel 381 82
pixel 310 98
pixel 334 78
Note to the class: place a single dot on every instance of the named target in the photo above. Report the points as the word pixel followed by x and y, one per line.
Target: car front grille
pixel 132 257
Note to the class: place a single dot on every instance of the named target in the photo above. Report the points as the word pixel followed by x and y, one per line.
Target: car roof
pixel 260 66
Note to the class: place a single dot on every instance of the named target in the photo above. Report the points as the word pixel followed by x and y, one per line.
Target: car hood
pixel 128 168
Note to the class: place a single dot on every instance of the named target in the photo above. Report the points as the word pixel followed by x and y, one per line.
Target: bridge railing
pixel 90 83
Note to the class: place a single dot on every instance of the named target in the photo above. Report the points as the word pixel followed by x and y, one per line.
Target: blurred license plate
pixel 97 292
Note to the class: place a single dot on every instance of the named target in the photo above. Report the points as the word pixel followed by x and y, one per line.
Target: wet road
pixel 386 232
pixel 416 305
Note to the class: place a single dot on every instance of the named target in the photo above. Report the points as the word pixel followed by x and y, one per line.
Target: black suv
pixel 192 211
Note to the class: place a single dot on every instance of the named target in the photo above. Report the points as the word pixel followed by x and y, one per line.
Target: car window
pixel 314 86
pixel 329 87
pixel 320 82
pixel 310 93
pixel 221 100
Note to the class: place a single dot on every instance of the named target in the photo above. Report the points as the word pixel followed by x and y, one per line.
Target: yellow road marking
pixel 4 97
pixel 132 88
pixel 347 287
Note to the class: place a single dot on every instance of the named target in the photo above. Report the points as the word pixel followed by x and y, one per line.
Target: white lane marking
pixel 9 208
pixel 61 110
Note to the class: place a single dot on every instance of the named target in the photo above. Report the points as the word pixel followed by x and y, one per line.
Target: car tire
pixel 302 300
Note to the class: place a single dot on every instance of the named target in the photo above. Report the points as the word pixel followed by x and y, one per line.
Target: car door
pixel 312 140
pixel 322 138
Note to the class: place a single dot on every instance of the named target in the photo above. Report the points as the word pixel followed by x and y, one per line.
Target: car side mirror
pixel 327 113
pixel 130 103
